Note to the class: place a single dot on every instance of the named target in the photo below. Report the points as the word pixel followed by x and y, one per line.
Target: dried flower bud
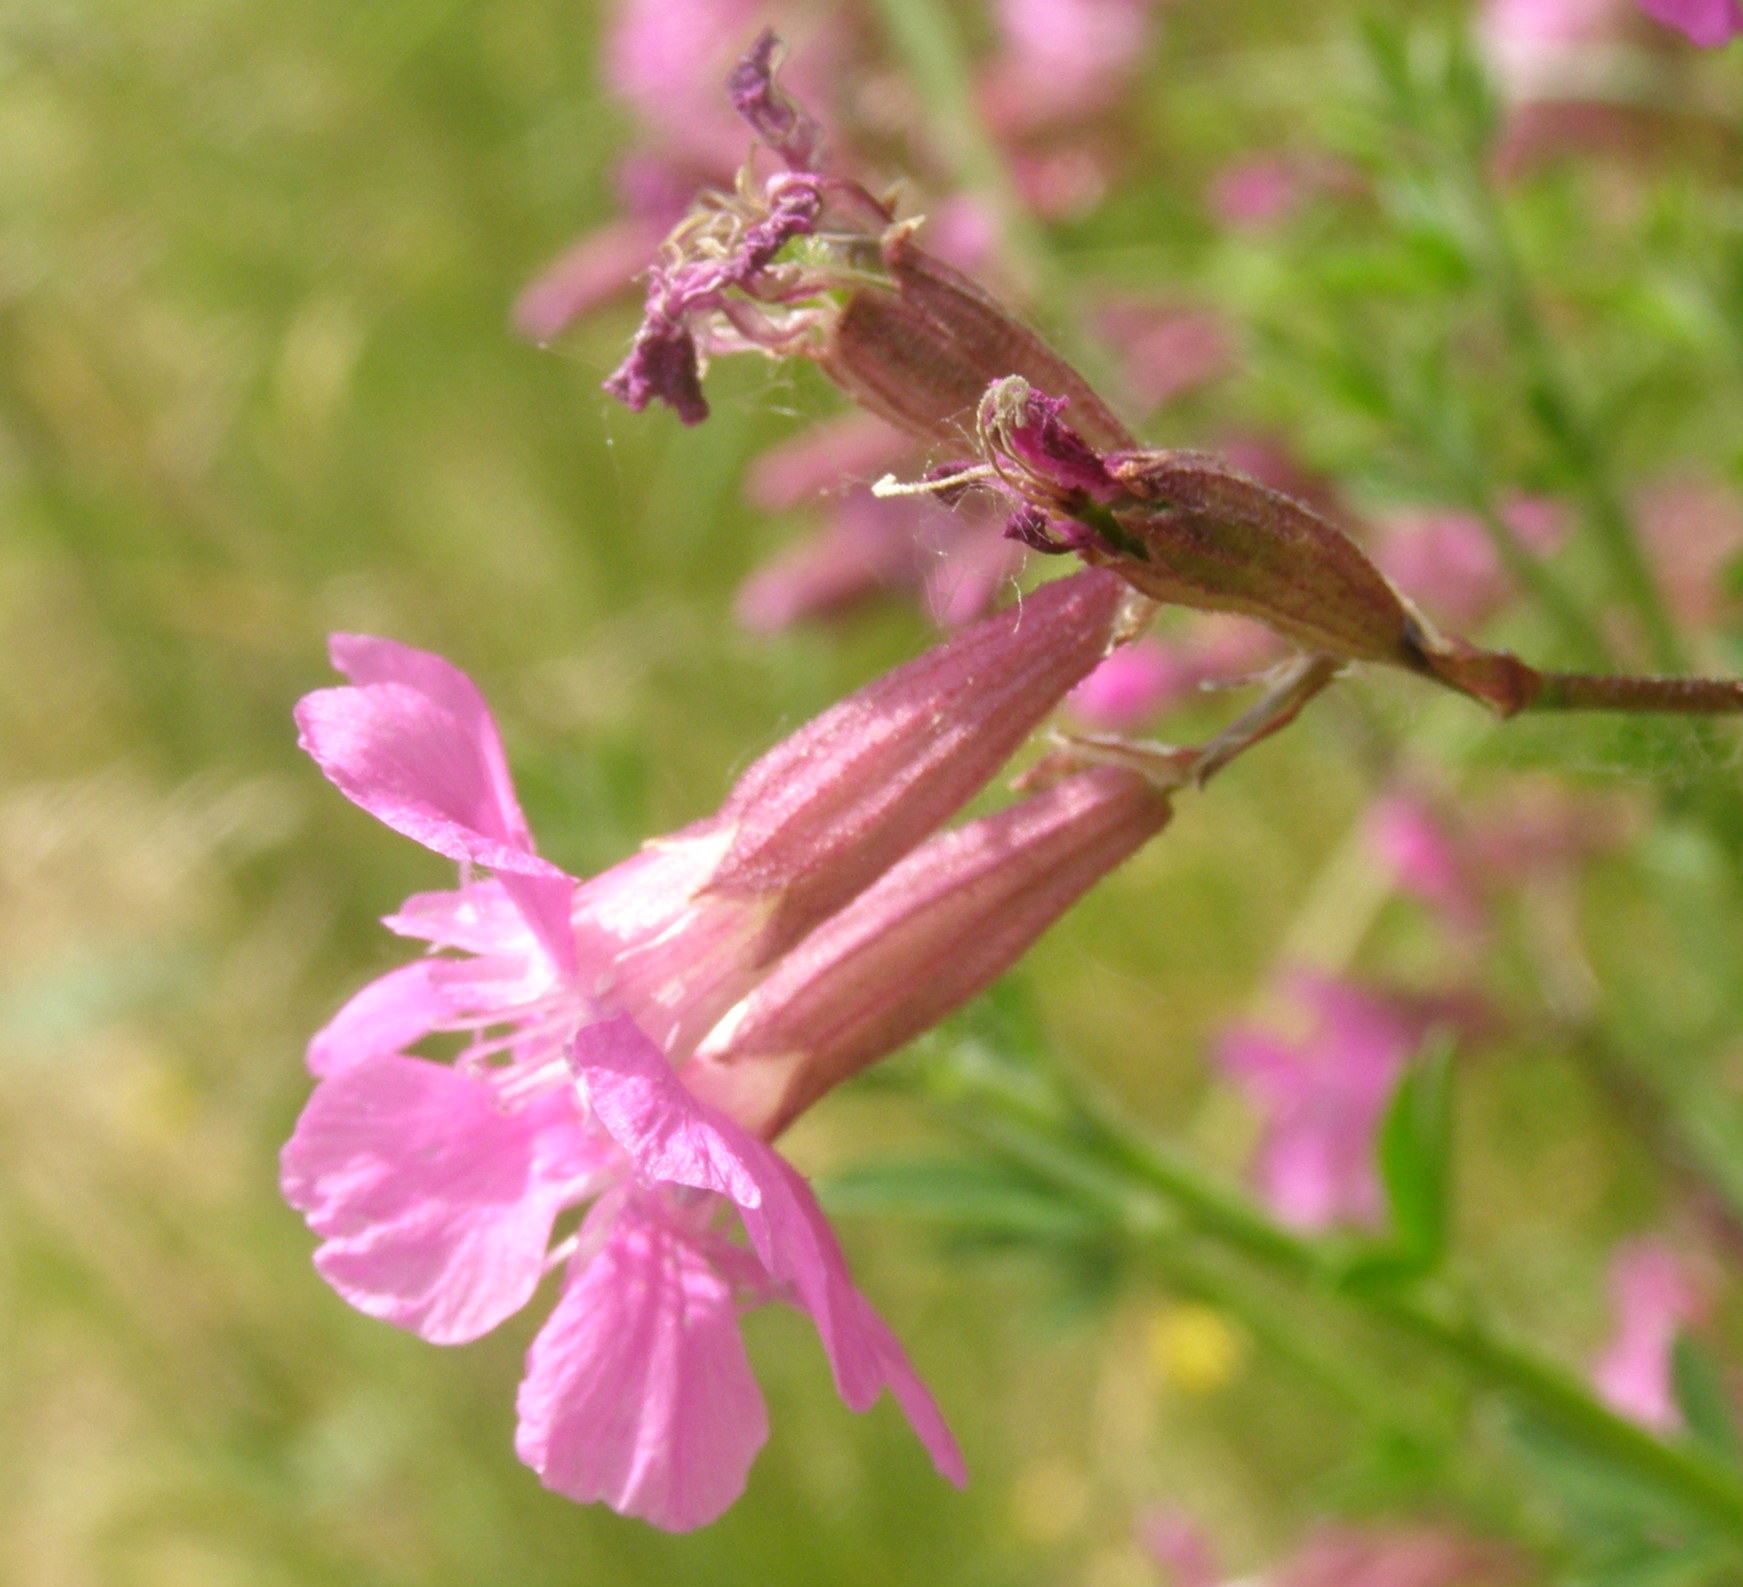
pixel 921 352
pixel 900 331
pixel 1187 529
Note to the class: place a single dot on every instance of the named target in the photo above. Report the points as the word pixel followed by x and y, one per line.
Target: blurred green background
pixel 256 384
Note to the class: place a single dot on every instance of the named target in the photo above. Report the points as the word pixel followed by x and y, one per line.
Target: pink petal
pixel 1654 1297
pixel 416 746
pixel 547 902
pixel 365 659
pixel 638 1391
pixel 418 767
pixel 794 1240
pixel 477 918
pixel 1708 23
pixel 637 1099
pixel 673 1138
pixel 434 1206
pixel 393 1012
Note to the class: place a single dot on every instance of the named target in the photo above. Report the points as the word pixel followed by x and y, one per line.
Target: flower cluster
pixel 623 1050
pixel 631 1043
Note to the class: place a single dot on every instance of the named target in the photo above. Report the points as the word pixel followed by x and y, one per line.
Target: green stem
pixel 1464 479
pixel 1568 427
pixel 1460 1337
pixel 1584 639
pixel 926 41
pixel 1456 1335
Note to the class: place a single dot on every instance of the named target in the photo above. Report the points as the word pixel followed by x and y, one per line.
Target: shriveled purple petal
pixel 672 1138
pixel 1041 439
pixel 433 1204
pixel 779 120
pixel 1708 23
pixel 1052 537
pixel 638 1391
pixel 664 362
pixel 663 366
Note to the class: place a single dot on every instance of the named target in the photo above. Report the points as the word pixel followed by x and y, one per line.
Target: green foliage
pixel 256 384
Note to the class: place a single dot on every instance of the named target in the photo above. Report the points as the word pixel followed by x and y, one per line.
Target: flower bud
pixel 834 805
pixel 936 930
pixel 1187 529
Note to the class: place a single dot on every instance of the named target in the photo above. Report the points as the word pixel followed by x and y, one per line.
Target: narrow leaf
pixel 1414 1157
pixel 1699 1386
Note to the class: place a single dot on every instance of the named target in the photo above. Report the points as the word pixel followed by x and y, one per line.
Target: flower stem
pixel 1476 1348
pixel 1566 424
pixel 926 40
pixel 1584 691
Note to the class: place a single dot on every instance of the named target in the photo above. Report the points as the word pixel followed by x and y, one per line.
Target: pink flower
pixel 1063 60
pixel 1414 1556
pixel 1321 1090
pixel 1425 858
pixel 1654 1297
pixel 1262 190
pixel 1143 679
pixel 1341 1556
pixel 435 1188
pixel 1181 1547
pixel 1708 23
pixel 1449 558
pixel 1693 530
pixel 957 561
pixel 666 59
pixel 1137 682
pixel 1164 349
pixel 850 448
pixel 1535 46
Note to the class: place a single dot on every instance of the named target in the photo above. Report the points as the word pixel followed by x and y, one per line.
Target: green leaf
pixel 1652 1563
pixel 1609 1509
pixel 1699 1386
pixel 1415 1153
